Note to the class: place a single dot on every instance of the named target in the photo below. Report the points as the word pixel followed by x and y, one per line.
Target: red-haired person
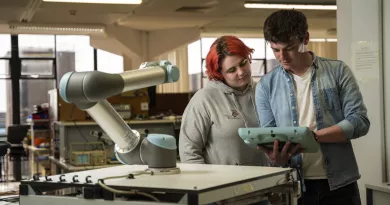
pixel 209 129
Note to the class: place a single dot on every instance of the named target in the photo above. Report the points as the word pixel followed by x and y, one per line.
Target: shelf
pixel 40 130
pixel 33 148
pixel 37 120
pixel 130 122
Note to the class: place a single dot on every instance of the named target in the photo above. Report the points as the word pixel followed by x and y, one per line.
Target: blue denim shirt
pixel 337 101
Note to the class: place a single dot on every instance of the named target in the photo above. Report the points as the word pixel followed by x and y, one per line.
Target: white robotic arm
pixel 89 90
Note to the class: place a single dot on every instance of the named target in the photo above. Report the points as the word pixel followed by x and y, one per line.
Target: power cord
pixel 75 124
pixel 128 192
pixel 10 199
pixel 300 178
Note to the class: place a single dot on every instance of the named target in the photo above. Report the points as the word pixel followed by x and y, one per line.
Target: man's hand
pixel 280 158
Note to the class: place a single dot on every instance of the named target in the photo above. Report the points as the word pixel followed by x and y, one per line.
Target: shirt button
pixel 291 94
pixel 288 80
pixel 295 122
pixel 293 108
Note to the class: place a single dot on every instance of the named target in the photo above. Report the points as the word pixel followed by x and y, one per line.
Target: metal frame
pixel 237 192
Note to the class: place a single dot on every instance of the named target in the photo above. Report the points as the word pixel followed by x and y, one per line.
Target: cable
pixel 10 199
pixel 301 181
pixel 130 176
pixel 74 122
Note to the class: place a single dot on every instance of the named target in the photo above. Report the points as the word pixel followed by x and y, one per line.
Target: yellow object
pixel 90 157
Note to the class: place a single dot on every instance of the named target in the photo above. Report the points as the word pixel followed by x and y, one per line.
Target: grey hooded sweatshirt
pixel 209 129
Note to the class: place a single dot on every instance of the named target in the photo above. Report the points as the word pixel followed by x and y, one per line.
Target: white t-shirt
pixel 313 163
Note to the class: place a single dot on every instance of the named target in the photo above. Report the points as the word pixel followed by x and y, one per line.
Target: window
pixel 194 59
pixel 33 92
pixel 5 46
pixel 5 107
pixel 108 62
pixel 258 44
pixel 3 95
pixel 74 53
pixel 204 68
pixel 205 45
pixel 43 60
pixel 37 59
pixel 37 68
pixel 36 46
pixel 271 60
pixel 258 68
pixel 5 86
pixel 4 68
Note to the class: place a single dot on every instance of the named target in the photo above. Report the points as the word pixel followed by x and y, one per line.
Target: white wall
pixel 360 20
pixel 386 74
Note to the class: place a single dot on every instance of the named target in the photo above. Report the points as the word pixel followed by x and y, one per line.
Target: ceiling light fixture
pixel 56 29
pixel 317 39
pixel 257 5
pixel 98 1
pixel 331 39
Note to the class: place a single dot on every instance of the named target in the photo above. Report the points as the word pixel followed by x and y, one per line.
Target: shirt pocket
pixel 331 98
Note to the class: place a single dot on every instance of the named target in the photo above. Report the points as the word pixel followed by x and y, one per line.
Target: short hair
pixel 284 25
pixel 222 47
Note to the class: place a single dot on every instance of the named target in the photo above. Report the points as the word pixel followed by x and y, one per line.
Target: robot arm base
pixel 158 151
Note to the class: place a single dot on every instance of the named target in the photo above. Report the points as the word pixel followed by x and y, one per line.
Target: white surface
pixel 359 20
pixel 381 187
pixel 200 176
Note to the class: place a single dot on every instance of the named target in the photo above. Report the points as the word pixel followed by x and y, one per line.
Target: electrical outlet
pixel 144 106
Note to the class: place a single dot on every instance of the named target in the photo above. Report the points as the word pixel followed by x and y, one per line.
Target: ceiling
pixel 158 14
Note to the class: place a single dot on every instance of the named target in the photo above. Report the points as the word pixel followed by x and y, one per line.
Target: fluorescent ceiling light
pixel 331 39
pixel 98 1
pixel 317 39
pixel 56 29
pixel 323 39
pixel 289 6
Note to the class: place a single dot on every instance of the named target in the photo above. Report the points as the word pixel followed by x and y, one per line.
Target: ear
pixel 307 38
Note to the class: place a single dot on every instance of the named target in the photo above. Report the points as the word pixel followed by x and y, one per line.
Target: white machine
pixel 151 174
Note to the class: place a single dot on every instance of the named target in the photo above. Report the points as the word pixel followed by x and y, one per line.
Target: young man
pixel 315 92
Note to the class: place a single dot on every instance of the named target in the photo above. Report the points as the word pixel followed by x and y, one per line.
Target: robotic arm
pixel 89 90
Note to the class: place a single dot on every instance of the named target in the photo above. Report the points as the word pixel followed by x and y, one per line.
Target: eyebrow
pixel 287 46
pixel 236 65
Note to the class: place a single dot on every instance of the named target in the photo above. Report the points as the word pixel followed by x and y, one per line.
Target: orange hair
pixel 222 47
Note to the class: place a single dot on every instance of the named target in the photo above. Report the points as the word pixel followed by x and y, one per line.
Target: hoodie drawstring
pixel 254 106
pixel 239 109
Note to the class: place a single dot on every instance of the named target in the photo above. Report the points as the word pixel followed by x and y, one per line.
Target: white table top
pixel 200 176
